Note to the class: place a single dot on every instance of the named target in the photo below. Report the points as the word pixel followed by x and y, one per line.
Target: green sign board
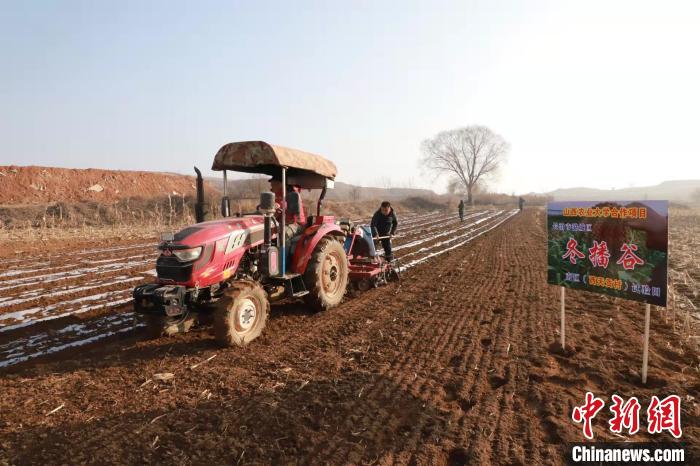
pixel 617 248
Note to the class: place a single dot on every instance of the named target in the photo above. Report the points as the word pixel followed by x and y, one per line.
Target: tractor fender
pixel 308 241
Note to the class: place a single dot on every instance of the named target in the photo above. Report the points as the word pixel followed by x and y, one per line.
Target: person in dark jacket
pixel 461 210
pixel 521 203
pixel 384 223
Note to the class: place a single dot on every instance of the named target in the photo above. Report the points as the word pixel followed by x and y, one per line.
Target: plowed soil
pixel 457 364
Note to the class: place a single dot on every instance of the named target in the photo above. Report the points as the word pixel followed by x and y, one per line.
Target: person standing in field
pixel 384 224
pixel 521 203
pixel 461 210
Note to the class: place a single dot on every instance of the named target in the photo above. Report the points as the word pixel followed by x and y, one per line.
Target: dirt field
pixel 457 364
pixel 69 299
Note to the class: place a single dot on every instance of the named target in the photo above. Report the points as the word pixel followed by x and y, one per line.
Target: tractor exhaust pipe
pixel 199 205
pixel 225 202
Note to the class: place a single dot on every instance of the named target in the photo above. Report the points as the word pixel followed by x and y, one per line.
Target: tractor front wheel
pixel 326 275
pixel 241 314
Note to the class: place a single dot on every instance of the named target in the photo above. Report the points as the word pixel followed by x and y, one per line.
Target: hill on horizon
pixel 676 190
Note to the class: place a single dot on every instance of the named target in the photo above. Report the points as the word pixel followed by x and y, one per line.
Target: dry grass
pixel 53 228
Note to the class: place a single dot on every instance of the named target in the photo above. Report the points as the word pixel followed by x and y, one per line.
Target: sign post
pixel 563 318
pixel 617 248
pixel 645 352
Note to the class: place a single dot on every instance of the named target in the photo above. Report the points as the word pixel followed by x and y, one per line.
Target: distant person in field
pixel 521 203
pixel 384 224
pixel 461 210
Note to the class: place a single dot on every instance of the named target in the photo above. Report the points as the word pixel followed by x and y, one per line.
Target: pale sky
pixel 595 93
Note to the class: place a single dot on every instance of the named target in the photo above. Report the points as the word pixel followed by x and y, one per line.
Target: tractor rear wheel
pixel 326 275
pixel 158 326
pixel 241 314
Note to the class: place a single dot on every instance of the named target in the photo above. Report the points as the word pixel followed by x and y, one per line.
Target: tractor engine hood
pixel 208 252
pixel 214 230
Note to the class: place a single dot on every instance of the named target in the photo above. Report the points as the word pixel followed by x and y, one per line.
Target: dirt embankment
pixel 42 185
pixel 59 198
pixel 66 197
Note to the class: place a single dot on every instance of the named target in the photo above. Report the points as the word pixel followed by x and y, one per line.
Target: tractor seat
pixel 292 230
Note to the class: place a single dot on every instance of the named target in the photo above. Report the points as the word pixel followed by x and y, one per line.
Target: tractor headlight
pixel 188 255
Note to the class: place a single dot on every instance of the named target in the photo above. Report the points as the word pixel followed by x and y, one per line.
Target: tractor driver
pixel 384 224
pixel 294 221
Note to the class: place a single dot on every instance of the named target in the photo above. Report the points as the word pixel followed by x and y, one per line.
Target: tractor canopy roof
pixel 303 168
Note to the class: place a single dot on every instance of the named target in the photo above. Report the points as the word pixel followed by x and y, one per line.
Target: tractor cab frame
pixel 291 170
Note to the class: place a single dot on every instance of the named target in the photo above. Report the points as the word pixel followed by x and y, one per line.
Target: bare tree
pixel 469 154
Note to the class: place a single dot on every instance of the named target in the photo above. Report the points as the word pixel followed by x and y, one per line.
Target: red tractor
pixel 229 270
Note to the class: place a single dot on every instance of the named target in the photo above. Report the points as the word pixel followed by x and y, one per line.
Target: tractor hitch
pixel 168 300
